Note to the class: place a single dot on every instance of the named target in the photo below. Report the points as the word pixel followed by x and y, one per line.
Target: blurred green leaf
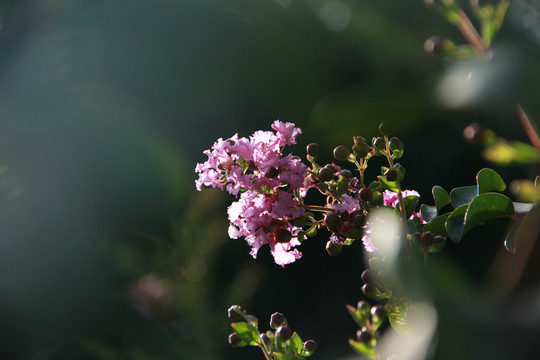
pixel 297 344
pixel 488 180
pixel 397 310
pixel 362 349
pixel 513 152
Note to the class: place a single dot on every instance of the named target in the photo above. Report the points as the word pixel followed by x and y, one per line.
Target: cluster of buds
pixel 280 343
pixel 369 319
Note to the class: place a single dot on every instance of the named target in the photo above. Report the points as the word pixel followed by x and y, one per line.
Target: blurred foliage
pixel 105 108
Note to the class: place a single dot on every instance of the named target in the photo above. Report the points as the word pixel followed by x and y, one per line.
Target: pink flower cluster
pixel 266 180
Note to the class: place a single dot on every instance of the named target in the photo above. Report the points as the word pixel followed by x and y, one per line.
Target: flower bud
pixel 391 175
pixel 284 332
pixel 395 144
pixel 369 276
pixel 266 340
pixel 364 336
pixel 276 320
pixel 379 143
pixel 363 307
pixel 346 173
pixel 386 128
pixel 358 219
pixel 438 45
pixel 313 150
pixel 325 174
pixel 360 149
pixel 309 348
pixel 373 292
pixel 365 194
pixel 378 315
pixel 235 340
pixel 333 248
pixel 332 220
pixel 426 239
pixel 282 235
pixel 235 313
pixel 341 153
pixel 437 244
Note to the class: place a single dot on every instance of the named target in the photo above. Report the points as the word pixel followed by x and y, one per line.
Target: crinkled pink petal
pixel 283 255
pixel 286 132
pixel 285 205
pixel 349 204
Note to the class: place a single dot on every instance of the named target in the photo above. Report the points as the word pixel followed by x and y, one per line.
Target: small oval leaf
pixel 456 223
pixel 463 195
pixel 437 225
pixel 486 207
pixel 440 196
pixel 488 180
pixel 428 212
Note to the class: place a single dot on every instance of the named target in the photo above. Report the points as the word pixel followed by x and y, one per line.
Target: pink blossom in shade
pixel 392 199
pixel 284 253
pixel 286 132
pixel 294 171
pixel 286 206
pixel 349 204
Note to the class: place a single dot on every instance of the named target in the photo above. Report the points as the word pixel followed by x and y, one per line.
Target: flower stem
pixel 318 208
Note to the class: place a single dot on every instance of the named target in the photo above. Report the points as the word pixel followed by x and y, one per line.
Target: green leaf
pixel 362 349
pixel 428 212
pixel 355 314
pixel 296 344
pixel 247 332
pixel 488 180
pixel 410 203
pixel 396 310
pixel 440 196
pixel 514 152
pixel 486 207
pixel 456 223
pixel 388 185
pixel 463 195
pixel 437 225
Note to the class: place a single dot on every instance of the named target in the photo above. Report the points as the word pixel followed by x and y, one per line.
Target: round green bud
pixel 372 292
pixel 360 149
pixel 438 45
pixel 341 153
pixel 395 144
pixel 333 248
pixel 235 340
pixel 363 307
pixel 378 314
pixel 364 336
pixel 365 194
pixel 265 339
pixel 369 276
pixel 379 143
pixel 276 320
pixel 426 239
pixel 325 174
pixel 235 313
pixel 346 173
pixel 313 149
pixel 284 332
pixel 282 235
pixel 437 244
pixel 332 220
pixel 391 175
pixel 309 347
pixel 386 128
